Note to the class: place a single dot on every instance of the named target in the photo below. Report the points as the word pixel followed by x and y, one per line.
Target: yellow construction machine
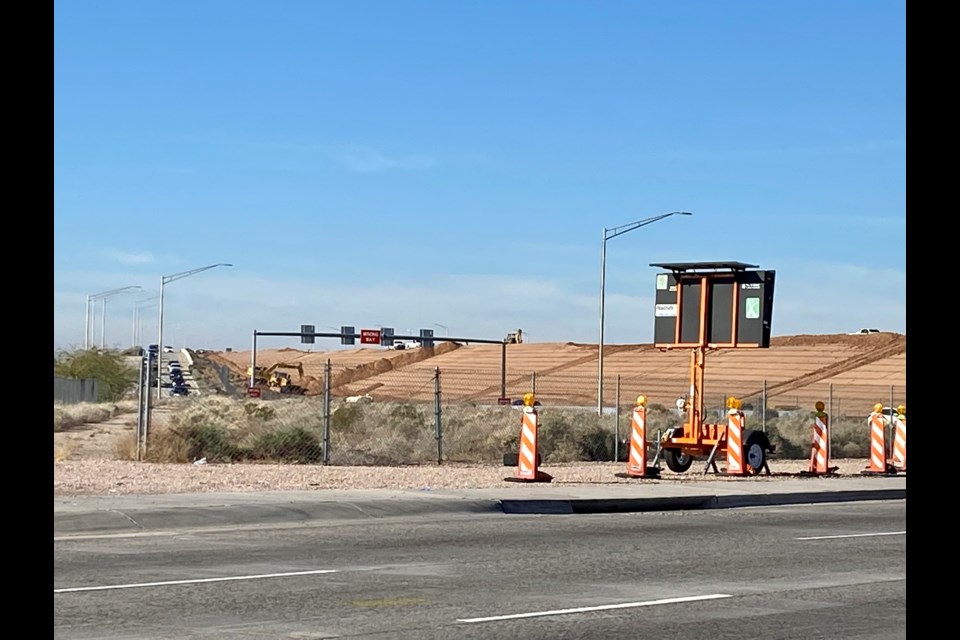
pixel 279 381
pixel 514 337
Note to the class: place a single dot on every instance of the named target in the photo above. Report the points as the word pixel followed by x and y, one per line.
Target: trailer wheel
pixel 677 461
pixel 755 447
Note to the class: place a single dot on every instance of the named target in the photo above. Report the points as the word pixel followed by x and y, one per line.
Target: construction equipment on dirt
pixel 279 381
pixel 514 337
pixel 713 305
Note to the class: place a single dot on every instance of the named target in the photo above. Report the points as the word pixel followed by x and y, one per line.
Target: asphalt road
pixel 822 571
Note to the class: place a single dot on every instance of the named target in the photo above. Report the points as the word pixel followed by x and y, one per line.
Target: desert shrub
pixel 407 420
pixel 595 444
pixel 235 416
pixel 851 437
pixel 115 377
pixel 345 418
pixel 259 411
pixel 297 445
pixel 208 441
pixel 192 442
pixel 479 434
pixel 573 437
pixel 71 415
pixel 849 450
pixel 126 447
pixel 793 434
pixel 787 449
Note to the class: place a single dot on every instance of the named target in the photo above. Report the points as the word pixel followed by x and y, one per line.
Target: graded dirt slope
pixel 795 371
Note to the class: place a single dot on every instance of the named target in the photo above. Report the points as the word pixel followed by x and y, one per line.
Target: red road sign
pixel 253 392
pixel 369 336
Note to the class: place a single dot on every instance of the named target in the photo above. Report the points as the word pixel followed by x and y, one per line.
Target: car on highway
pixel 180 390
pixel 168 349
pixel 864 332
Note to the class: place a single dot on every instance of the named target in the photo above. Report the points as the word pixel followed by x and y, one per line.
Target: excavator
pixel 514 337
pixel 279 381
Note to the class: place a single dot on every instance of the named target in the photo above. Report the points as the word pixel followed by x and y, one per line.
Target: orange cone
pixel 819 448
pixel 899 460
pixel 527 462
pixel 637 459
pixel 878 441
pixel 735 420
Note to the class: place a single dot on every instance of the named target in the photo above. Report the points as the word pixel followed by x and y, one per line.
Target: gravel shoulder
pixel 101 477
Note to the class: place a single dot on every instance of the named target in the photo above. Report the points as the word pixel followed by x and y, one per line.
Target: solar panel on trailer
pixel 698 266
pixel 678 313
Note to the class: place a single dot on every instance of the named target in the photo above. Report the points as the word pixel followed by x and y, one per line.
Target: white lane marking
pixel 856 535
pixel 604 607
pixel 196 581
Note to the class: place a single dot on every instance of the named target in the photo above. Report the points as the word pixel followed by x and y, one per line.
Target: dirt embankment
pixel 383 365
pixel 358 373
pixel 870 341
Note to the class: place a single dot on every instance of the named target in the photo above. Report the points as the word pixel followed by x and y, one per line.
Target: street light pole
pixel 607 235
pixel 136 318
pixel 87 331
pixel 86 326
pixel 165 280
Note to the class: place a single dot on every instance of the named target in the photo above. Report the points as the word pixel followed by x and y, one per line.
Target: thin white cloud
pixel 221 309
pixel 367 160
pixel 126 257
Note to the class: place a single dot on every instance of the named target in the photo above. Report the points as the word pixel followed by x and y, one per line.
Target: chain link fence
pixel 75 390
pixel 423 415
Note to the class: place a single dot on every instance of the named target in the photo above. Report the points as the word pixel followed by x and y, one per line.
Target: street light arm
pixel 164 280
pixel 113 292
pixel 607 234
pixel 184 274
pixel 622 229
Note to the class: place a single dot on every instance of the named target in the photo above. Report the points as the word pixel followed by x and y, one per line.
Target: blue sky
pixel 452 165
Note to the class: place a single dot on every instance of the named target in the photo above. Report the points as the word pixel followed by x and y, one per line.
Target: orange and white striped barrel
pixel 819 448
pixel 878 443
pixel 900 442
pixel 637 461
pixel 735 442
pixel 527 460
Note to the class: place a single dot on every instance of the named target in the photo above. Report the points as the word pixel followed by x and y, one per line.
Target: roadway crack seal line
pixel 135 523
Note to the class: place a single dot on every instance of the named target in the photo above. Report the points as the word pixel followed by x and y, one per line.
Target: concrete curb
pixel 639 505
pixel 118 521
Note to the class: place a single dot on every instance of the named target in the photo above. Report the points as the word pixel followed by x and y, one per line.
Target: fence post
pixel 830 417
pixel 763 405
pixel 140 420
pixel 438 429
pixel 326 412
pixel 533 383
pixel 891 428
pixel 149 400
pixel 616 425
